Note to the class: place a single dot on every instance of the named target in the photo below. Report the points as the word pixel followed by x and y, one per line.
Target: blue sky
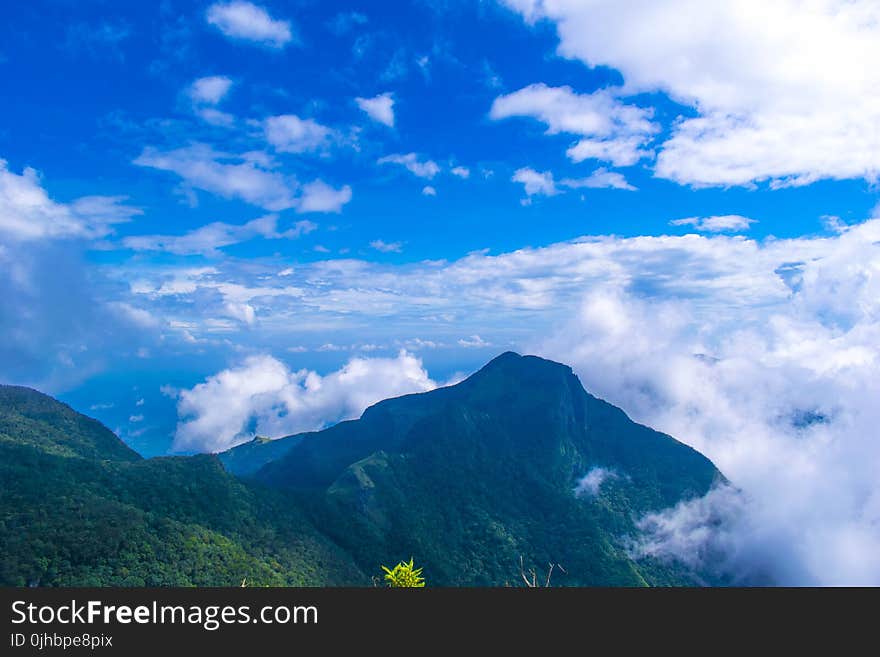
pixel 222 219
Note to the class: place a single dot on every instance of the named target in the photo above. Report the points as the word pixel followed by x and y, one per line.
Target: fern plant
pixel 404 575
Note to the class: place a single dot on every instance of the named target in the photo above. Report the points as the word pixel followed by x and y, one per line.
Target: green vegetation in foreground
pixel 404 576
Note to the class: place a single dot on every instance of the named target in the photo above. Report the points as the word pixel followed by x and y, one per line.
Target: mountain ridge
pixel 467 478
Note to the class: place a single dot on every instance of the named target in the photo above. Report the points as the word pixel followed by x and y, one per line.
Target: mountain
pixel 79 508
pixel 516 461
pixel 469 477
pixel 48 425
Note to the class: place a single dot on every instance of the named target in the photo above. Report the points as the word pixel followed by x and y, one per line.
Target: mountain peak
pixel 517 365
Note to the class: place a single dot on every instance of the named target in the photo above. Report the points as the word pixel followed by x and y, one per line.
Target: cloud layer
pixel 781 397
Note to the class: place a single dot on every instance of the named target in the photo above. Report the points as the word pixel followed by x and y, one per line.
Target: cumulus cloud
pixel 27 212
pixel 248 22
pixel 474 342
pixel 791 104
pixel 290 134
pixel 210 90
pixel 318 196
pixel 428 190
pixel 733 223
pixel 379 108
pixel 205 94
pixel 461 172
pixel 422 169
pixel 264 396
pixel 611 130
pixel 208 239
pixel 601 178
pixel 535 182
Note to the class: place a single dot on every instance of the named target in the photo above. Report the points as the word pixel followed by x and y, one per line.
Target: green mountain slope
pixel 32 418
pixel 79 508
pixel 469 477
pixel 245 459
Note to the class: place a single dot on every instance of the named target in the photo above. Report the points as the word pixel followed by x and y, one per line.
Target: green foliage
pixel 102 520
pixel 404 575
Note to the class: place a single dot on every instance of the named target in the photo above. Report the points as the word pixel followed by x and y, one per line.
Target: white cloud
pixel 263 396
pixel 136 316
pixel 428 190
pixel 251 177
pixel 474 342
pixel 386 247
pixel 611 130
pixel 243 312
pixel 248 177
pixel 422 169
pixel 461 172
pixel 778 388
pixel 379 108
pixel 210 90
pixel 290 134
pixel 205 93
pixel 28 213
pixel 733 223
pixel 535 182
pixel 590 484
pixel 249 22
pixel 543 183
pixel 599 179
pixel 781 89
pixel 209 238
pixel 214 116
pixel 318 196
